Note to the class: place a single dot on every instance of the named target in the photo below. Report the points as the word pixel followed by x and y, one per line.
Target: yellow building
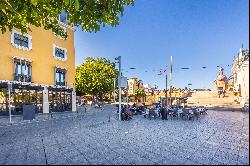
pixel 133 85
pixel 39 59
pixel 221 82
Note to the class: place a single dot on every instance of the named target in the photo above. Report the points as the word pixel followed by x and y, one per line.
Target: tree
pixel 90 14
pixel 95 77
pixel 139 93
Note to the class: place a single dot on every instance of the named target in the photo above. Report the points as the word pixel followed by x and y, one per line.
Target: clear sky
pixel 195 33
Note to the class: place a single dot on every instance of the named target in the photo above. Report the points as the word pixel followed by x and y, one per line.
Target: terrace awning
pixel 21 85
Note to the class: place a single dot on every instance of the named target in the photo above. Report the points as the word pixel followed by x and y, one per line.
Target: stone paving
pixel 96 137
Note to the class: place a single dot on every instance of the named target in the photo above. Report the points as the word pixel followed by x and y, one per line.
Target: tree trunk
pixel 101 98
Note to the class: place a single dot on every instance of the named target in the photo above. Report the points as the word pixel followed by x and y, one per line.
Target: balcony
pixel 22 78
pixel 61 83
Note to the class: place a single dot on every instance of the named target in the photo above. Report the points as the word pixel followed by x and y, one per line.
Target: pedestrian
pixel 164 115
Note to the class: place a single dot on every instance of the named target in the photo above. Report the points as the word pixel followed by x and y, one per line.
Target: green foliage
pixel 95 76
pixel 2 97
pixel 140 93
pixel 90 14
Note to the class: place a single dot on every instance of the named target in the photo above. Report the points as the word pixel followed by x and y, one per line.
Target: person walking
pixel 164 115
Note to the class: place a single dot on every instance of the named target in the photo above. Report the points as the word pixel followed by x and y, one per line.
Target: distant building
pixel 221 82
pixel 133 85
pixel 240 73
pixel 147 86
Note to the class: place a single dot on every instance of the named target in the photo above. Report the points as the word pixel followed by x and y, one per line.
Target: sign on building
pixel 124 83
pixel 130 87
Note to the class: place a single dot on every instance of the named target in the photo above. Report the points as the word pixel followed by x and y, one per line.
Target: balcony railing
pixel 22 78
pixel 61 83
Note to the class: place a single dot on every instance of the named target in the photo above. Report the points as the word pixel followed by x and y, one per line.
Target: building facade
pixel 133 85
pixel 240 73
pixel 221 83
pixel 40 65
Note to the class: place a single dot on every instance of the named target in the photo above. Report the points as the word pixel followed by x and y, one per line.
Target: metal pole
pixel 170 81
pixel 166 88
pixel 166 107
pixel 114 90
pixel 127 97
pixel 9 89
pixel 119 86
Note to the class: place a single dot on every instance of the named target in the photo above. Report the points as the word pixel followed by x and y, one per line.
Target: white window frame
pixel 54 52
pixel 21 47
pixel 65 25
pixel 65 75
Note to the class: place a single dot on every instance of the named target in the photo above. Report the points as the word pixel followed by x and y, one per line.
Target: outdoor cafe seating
pixel 188 113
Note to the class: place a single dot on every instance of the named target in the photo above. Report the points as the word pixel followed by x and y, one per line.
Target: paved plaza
pixel 97 137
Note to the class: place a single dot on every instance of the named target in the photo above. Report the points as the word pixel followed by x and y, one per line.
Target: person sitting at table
pixel 146 113
pixel 152 113
pixel 128 114
pixel 134 105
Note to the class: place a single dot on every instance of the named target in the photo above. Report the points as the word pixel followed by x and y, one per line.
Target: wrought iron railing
pixel 22 78
pixel 61 83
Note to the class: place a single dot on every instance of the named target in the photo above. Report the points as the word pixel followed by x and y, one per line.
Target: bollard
pixel 109 118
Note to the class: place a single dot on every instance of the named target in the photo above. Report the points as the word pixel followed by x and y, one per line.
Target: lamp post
pixel 114 89
pixel 119 85
pixel 127 96
pixel 170 81
pixel 166 94
pixel 164 113
pixel 9 90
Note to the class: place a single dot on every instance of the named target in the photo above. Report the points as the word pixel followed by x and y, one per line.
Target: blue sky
pixel 195 33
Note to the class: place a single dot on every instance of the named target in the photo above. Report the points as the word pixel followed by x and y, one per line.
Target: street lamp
pixel 118 59
pixel 114 89
pixel 170 94
pixel 9 90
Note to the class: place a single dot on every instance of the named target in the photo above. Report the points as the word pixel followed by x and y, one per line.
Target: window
pixel 59 52
pixel 22 71
pixel 63 20
pixel 63 17
pixel 60 77
pixel 21 41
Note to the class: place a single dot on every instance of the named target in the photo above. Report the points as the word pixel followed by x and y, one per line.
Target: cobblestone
pixel 89 138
